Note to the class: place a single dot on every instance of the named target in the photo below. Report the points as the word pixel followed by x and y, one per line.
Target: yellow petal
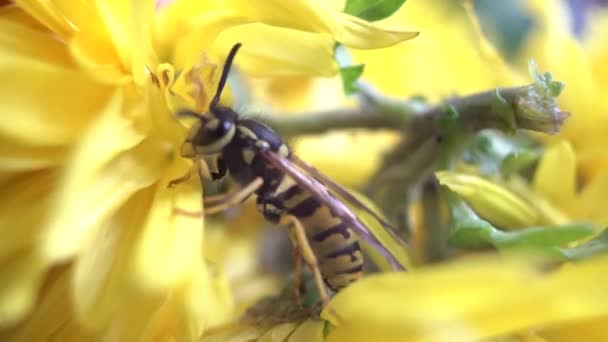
pixel 299 53
pixel 491 201
pixel 50 15
pixel 169 243
pixel 24 202
pixel 555 176
pixel 99 176
pixel 360 148
pixel 52 317
pixel 20 278
pixel 202 32
pixel 593 329
pixel 37 77
pixel 466 301
pixel 93 45
pixel 278 333
pixel 309 331
pixel 128 24
pixel 421 66
pixel 20 16
pixel 597 51
pixel 318 16
pixel 233 332
pixel 549 213
pixel 101 272
pixel 22 158
pixel 360 34
pixel 590 204
pixel 174 19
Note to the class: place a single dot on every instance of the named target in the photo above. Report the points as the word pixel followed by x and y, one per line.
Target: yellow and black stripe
pixel 333 242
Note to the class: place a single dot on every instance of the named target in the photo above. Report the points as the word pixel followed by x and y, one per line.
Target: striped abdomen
pixel 333 242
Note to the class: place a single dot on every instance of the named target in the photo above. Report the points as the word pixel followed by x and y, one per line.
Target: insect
pixel 288 191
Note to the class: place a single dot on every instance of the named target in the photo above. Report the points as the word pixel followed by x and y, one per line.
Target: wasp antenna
pixel 224 77
pixel 188 113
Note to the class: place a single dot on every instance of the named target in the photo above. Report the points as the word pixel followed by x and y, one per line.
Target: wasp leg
pixel 297 276
pixel 232 199
pixel 309 256
pixel 209 200
pixel 237 197
pixel 181 179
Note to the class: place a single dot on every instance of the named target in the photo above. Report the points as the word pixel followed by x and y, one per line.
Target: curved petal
pixel 318 16
pixel 202 32
pixel 36 66
pixel 310 331
pixel 18 157
pixel 24 202
pixel 278 333
pixel 101 272
pixel 590 203
pixel 299 53
pixel 99 176
pixel 168 244
pixel 52 316
pixel 92 46
pixel 466 301
pixel 233 332
pixel 559 187
pixel 199 302
pixel 492 201
pixel 129 24
pixel 593 329
pixel 48 13
pixel 20 279
pixel 360 34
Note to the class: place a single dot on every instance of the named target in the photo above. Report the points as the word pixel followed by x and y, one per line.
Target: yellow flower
pixel 90 144
pixel 469 300
pixel 480 298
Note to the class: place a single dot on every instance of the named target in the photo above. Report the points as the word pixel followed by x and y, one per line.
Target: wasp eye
pixel 224 127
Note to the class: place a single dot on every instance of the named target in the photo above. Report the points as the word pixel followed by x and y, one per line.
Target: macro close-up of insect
pixel 303 170
pixel 324 231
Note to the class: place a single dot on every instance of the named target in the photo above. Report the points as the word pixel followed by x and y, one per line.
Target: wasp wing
pixel 337 207
pixel 347 195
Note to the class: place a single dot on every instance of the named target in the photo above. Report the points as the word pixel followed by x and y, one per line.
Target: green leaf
pixel 372 10
pixel 597 245
pixel 350 73
pixel 470 231
pixel 546 236
pixel 494 151
pixel 350 76
pixel 518 160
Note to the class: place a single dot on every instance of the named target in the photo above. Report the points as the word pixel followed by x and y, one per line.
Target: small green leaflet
pixel 470 231
pixel 349 73
pixel 372 10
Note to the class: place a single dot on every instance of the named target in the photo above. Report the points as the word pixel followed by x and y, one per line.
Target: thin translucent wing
pixel 337 207
pixel 346 195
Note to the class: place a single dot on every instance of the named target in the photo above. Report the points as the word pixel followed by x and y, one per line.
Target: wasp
pixel 324 231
